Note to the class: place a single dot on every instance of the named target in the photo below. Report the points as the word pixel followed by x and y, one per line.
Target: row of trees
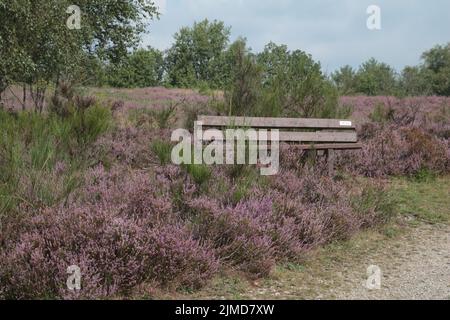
pixel 202 56
pixel 432 76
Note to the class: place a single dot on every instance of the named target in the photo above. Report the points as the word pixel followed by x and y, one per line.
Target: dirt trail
pixel 414 265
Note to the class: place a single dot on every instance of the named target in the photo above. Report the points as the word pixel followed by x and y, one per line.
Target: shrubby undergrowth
pixel 402 137
pixel 127 230
pixel 133 223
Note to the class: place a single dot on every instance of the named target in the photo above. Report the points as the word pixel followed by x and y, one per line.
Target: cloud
pixel 334 32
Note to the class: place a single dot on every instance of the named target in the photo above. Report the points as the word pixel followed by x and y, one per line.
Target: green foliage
pixel 294 84
pixel 345 80
pixel 89 124
pixel 40 155
pixel 87 120
pixel 375 200
pixel 142 68
pixel 276 83
pixel 426 200
pixel 437 63
pixel 200 173
pixel 375 78
pixel 425 175
pixel 192 111
pixel 37 48
pixel 416 81
pixel 163 151
pixel 243 90
pixel 164 116
pixel 197 55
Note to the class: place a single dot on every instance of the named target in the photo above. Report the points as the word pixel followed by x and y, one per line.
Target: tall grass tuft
pixel 41 154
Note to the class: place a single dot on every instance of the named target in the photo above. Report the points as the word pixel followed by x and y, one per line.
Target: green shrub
pixel 243 91
pixel 141 68
pixel 294 85
pixel 162 150
pixel 374 203
pixel 199 173
pixel 40 155
pixel 425 175
pixel 164 116
pixel 89 124
pixel 381 114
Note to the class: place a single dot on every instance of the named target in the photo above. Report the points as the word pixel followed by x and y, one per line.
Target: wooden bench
pixel 321 135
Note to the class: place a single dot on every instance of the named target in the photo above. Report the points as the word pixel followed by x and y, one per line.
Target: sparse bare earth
pixel 417 266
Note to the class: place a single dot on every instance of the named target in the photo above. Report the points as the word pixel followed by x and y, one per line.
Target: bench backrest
pixel 338 134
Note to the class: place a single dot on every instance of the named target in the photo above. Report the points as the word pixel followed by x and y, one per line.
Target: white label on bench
pixel 345 123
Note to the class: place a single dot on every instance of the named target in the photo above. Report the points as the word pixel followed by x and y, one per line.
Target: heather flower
pixel 121 233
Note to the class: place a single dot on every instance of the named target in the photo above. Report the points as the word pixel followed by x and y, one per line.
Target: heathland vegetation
pixel 85 172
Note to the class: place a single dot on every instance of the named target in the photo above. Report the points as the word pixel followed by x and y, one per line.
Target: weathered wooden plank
pixel 285 136
pixel 254 122
pixel 318 137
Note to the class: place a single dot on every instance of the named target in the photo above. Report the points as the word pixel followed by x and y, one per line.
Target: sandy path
pixel 414 265
pixel 417 266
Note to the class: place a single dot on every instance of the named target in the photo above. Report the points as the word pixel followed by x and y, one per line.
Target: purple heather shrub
pixel 239 235
pixel 319 209
pixel 308 185
pixel 300 212
pixel 178 184
pixel 120 232
pixel 391 150
pixel 178 260
pixel 291 157
pixel 129 146
pixel 363 106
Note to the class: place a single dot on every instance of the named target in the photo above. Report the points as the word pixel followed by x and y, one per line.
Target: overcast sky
pixel 333 31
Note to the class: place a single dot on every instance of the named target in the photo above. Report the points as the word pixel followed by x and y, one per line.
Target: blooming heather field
pixel 97 190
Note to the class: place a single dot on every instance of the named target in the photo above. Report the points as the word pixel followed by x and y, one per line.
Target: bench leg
pixel 331 160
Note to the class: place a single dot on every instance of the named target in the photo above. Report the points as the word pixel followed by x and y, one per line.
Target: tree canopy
pixel 37 46
pixel 197 55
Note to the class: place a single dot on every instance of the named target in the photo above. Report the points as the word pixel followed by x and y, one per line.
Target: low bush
pixel 237 234
pixel 163 151
pixel 297 212
pixel 396 151
pixel 199 173
pixel 41 154
pixel 120 235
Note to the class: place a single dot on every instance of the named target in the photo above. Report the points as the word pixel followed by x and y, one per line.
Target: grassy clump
pixel 41 154
pixel 162 150
pixel 199 173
